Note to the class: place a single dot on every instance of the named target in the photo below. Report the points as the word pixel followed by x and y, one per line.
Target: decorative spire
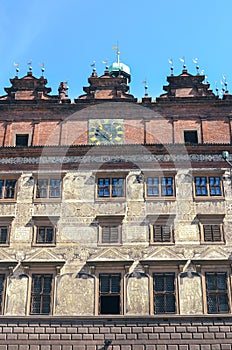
pixel 117 53
pixel 216 88
pixel 224 84
pixel 42 68
pixel 145 86
pixel 182 59
pixel 29 66
pixel 16 68
pixel 105 62
pixel 195 60
pixel 170 61
pixel 93 65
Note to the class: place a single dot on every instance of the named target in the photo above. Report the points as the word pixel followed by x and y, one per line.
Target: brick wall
pixel 198 333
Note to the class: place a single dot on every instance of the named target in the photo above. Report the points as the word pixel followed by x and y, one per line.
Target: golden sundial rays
pixel 106 131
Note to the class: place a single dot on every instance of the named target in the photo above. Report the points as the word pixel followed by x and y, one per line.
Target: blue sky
pixel 69 35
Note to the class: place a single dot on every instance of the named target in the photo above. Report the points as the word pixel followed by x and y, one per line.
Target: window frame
pixel 116 268
pixel 29 133
pixel 51 294
pixel 216 269
pixel 110 177
pixel 189 142
pixel 110 294
pixel 208 195
pixel 211 220
pixel 163 221
pixel 47 222
pixel 109 221
pixel 6 222
pixel 162 269
pixel 47 188
pixel 3 293
pixel 160 177
pixel 4 189
pixel 21 135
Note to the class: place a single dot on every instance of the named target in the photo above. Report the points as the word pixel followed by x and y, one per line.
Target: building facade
pixel 115 216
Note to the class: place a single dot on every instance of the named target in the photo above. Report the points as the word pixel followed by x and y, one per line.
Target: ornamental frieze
pixel 107 159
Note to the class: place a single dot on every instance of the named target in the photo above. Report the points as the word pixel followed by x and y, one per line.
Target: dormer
pixel 29 88
pixel 187 85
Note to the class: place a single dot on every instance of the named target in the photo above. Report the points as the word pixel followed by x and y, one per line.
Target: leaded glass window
pixel 109 293
pixel 41 291
pixel 164 293
pixel 217 292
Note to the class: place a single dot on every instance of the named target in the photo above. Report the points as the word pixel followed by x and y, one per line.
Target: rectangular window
pixel 190 136
pixel 111 187
pixel 48 188
pixel 211 228
pixel 8 188
pixel 109 229
pixel 4 237
pixel 208 186
pixel 164 293
pixel 110 234
pixel 41 294
pixel 217 292
pixel 213 233
pixel 162 233
pixel 21 140
pixel 45 235
pixel 160 186
pixel 109 294
pixel 2 290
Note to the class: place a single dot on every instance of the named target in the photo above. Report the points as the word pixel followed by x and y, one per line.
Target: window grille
pixel 41 293
pixel 164 293
pixel 217 292
pixel 109 298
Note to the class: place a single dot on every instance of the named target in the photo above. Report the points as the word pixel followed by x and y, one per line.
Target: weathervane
pixel 202 72
pixel 216 88
pixel 170 61
pixel 105 62
pixel 195 60
pixel 16 68
pixel 224 84
pixel 182 59
pixel 42 68
pixel 117 53
pixel 30 65
pixel 93 65
pixel 145 86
